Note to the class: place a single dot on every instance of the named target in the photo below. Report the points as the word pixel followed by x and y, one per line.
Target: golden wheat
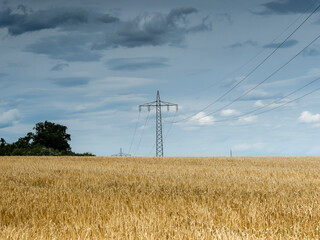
pixel 159 198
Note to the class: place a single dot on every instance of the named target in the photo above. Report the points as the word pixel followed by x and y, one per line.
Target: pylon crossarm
pixel 149 104
pixel 168 103
pixel 162 103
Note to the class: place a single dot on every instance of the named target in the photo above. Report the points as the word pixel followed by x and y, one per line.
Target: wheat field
pixel 159 198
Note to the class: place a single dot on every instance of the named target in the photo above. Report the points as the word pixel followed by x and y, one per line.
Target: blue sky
pixel 89 64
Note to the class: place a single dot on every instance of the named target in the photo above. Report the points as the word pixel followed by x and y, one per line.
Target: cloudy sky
pixel 89 64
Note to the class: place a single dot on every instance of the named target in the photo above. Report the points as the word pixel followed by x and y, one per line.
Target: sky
pixel 89 64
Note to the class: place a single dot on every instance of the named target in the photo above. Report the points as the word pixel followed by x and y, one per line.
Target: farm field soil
pixel 159 198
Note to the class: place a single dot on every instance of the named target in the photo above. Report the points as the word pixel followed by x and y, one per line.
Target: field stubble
pixel 159 198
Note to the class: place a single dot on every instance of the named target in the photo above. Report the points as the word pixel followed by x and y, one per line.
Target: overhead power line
pixel 253 70
pixel 170 126
pixel 263 50
pixel 291 101
pixel 134 133
pixel 259 84
pixel 271 103
pixel 144 127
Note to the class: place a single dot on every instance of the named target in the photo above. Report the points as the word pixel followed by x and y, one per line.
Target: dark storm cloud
pixel 153 30
pixel 59 67
pixel 148 30
pixel 287 6
pixel 17 23
pixel 243 44
pixel 65 47
pixel 71 81
pixel 287 44
pixel 178 14
pixel 223 17
pixel 22 8
pixel 133 64
pixel 106 18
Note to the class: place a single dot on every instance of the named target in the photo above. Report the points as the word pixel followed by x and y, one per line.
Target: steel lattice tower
pixel 158 104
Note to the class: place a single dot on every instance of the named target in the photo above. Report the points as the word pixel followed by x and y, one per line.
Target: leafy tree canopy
pixel 52 135
pixel 49 139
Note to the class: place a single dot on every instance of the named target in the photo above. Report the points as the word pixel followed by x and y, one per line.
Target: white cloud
pixel 247 147
pixel 7 118
pixel 248 119
pixel 308 117
pixel 274 104
pixel 259 103
pixel 229 112
pixel 202 119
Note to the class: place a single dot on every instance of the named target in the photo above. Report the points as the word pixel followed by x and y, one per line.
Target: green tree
pixel 39 150
pixel 51 135
pixel 18 152
pixel 6 149
pixel 3 149
pixel 2 142
pixel 24 142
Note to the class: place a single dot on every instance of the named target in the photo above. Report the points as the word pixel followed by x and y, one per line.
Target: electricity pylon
pixel 121 154
pixel 158 104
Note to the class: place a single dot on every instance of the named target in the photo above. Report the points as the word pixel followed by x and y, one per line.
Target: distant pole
pixel 231 153
pixel 121 154
pixel 158 104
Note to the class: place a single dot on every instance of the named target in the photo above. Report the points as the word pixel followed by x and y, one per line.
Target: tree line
pixel 49 139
